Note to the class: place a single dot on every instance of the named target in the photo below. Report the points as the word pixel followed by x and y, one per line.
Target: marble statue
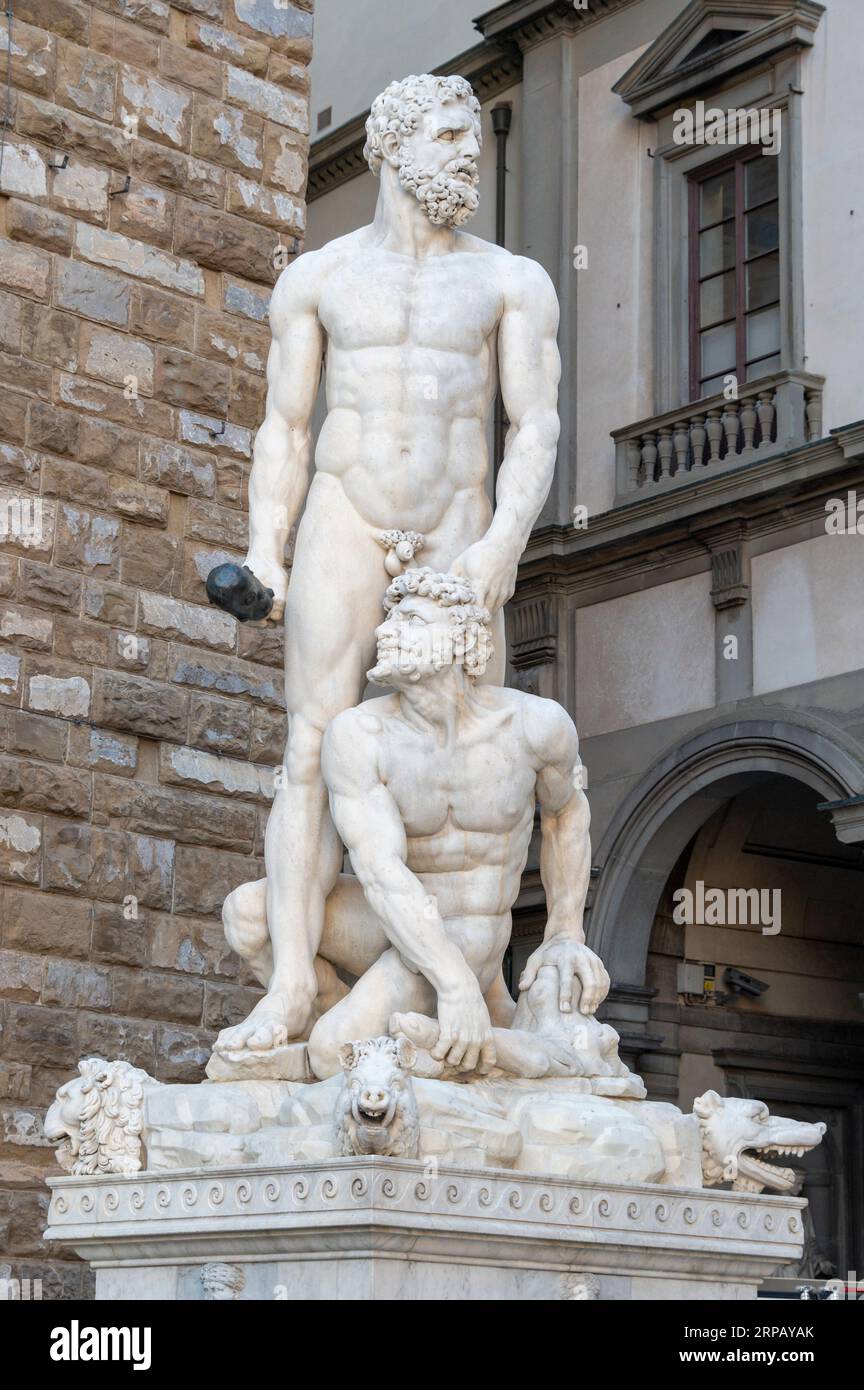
pixel 387 1036
pixel 97 1118
pixel 376 1112
pixel 432 790
pixel 414 321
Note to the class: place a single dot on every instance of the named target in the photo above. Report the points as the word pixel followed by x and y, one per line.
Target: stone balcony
pixel 771 415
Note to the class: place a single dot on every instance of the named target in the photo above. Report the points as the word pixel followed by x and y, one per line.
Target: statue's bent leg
pixel 387 987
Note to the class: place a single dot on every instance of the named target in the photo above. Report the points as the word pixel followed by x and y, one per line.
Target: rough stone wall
pixel 153 177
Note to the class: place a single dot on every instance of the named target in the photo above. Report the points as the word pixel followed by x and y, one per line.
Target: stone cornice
pixel 639 536
pixel 490 67
pixel 659 77
pixel 230 1212
pixel 527 22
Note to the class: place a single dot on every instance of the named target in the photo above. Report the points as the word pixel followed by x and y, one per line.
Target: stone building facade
pixel 152 183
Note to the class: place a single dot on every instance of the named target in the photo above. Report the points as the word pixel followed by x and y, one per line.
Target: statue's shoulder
pixel 548 728
pixel 303 279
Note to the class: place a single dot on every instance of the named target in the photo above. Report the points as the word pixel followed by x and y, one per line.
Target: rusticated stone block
pixel 101 750
pixel 222 43
pixel 285 107
pixel 118 938
pixel 189 817
pixel 32 59
pixel 248 300
pixel 203 878
pixel 156 110
pixel 13 415
pixel 138 259
pixel 145 212
pixel 96 294
pixel 42 1036
pixel 71 985
pixel 106 1035
pixel 184 380
pixel 38 736
pixel 56 687
pixel 269 733
pixel 111 403
pixel 85 80
pixel 82 189
pixel 70 19
pixel 109 603
pixel 283 26
pixel 36 786
pixel 192 767
pixel 162 316
pixel 26 627
pixel 196 947
pixel 194 177
pixel 28 222
pixel 49 587
pixel 225 242
pixel 148 557
pixel 178 64
pixel 66 130
pixel 54 924
pixel 51 336
pixel 207 521
pixel 264 643
pixel 117 358
pixel 110 865
pixel 156 994
pixel 87 541
pixel 84 642
pixel 140 501
pixel 247 398
pixel 139 705
pixel 181 470
pixel 168 617
pixel 20 976
pixel 225 675
pixel 219 726
pixel 108 446
pixel 183 1053
pixel 56 431
pixel 11 317
pixel 228 136
pixel 25 271
pixel 20 845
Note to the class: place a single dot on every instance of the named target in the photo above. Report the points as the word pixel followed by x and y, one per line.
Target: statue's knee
pixel 244 918
pixel 323 1047
pixel 302 761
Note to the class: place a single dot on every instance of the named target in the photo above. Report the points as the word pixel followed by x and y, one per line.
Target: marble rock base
pixel 399 1229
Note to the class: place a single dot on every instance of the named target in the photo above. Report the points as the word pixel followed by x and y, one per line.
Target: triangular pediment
pixel 711 40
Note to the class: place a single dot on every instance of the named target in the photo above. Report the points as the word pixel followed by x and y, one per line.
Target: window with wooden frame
pixel 734 271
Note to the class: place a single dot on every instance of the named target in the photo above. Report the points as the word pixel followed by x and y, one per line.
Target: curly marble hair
pixel 100 1114
pixel 399 107
pixel 457 596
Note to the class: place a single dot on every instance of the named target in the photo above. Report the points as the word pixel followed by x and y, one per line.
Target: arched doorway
pixel 737 808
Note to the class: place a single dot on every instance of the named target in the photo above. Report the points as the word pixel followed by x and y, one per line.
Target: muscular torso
pixel 467 809
pixel 410 374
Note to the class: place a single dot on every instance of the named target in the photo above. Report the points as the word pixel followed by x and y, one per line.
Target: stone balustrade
pixel 769 416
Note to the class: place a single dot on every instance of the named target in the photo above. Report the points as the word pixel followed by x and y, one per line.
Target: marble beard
pixel 386 1027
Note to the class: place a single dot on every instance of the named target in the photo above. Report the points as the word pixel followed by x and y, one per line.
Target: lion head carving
pixel 97 1117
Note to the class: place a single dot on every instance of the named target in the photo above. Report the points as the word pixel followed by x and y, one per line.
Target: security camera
pixel 739 983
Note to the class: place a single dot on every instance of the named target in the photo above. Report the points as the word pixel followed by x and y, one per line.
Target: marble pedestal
pixel 398 1229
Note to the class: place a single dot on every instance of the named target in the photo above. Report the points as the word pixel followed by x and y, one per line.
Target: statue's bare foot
pixel 280 1015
